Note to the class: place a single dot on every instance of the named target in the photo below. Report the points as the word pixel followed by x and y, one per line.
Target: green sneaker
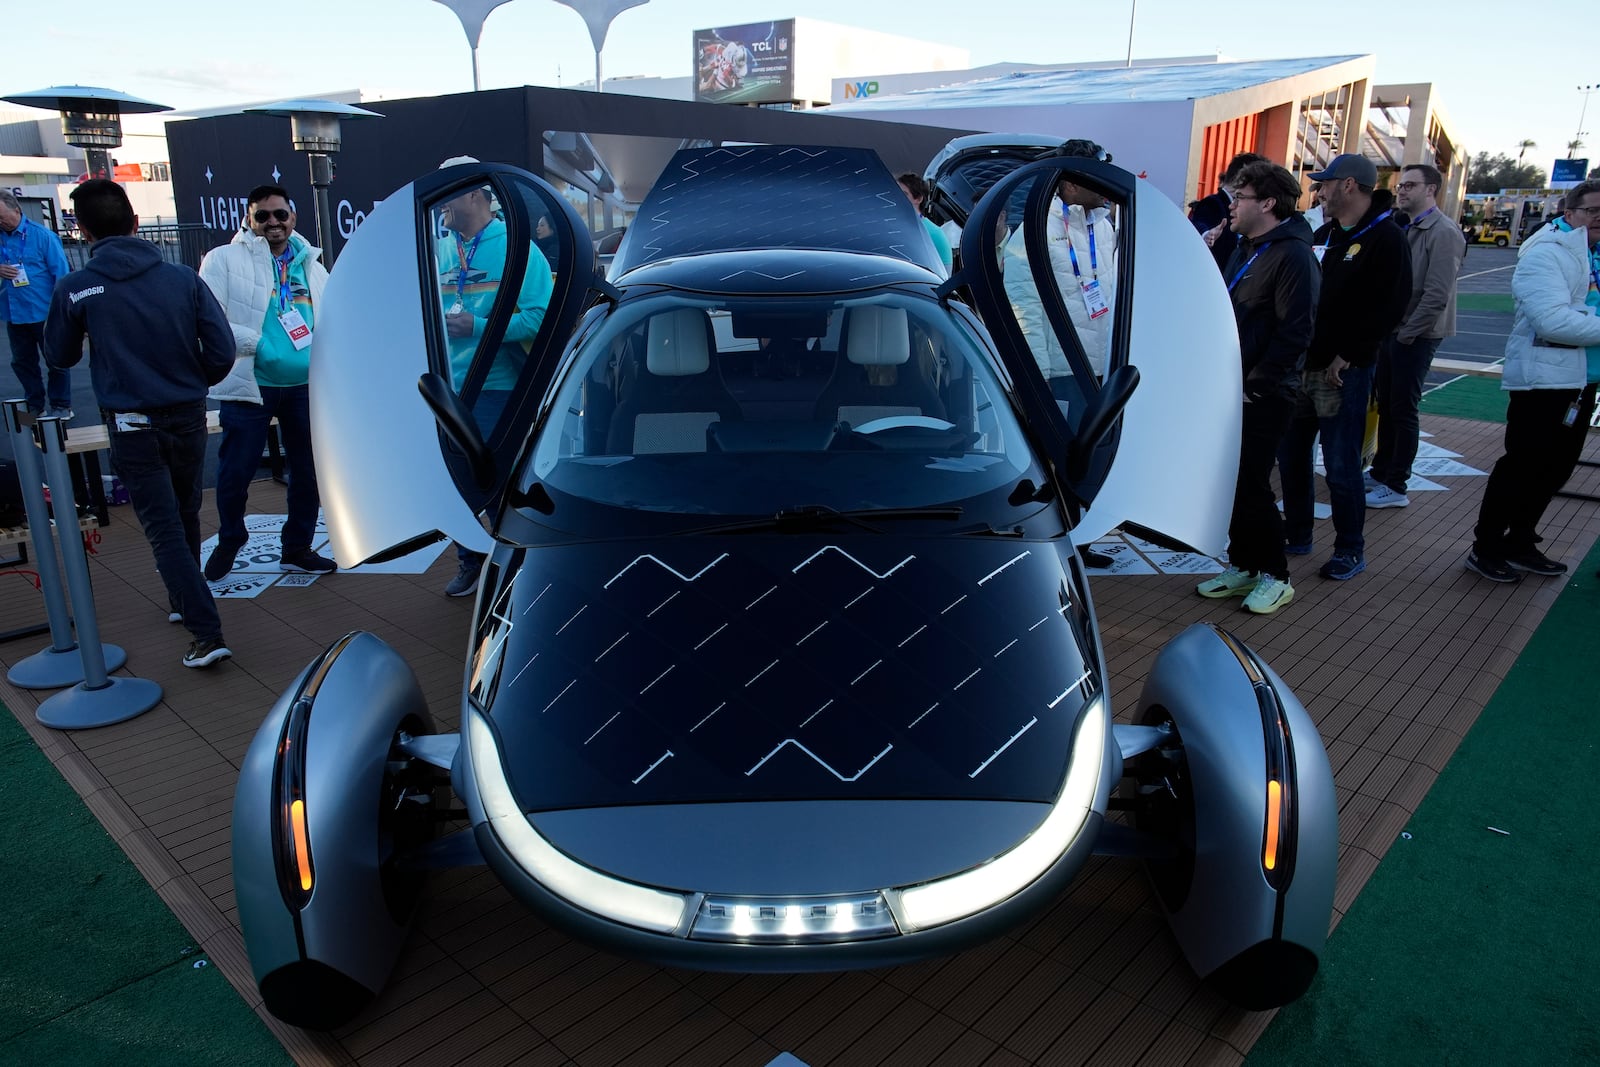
pixel 1231 582
pixel 1269 595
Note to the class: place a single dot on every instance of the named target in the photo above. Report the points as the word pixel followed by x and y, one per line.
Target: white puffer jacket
pixel 241 277
pixel 1550 285
pixel 1061 231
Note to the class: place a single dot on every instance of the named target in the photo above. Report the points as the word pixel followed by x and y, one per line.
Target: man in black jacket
pixel 159 340
pixel 1209 215
pixel 1273 280
pixel 1366 284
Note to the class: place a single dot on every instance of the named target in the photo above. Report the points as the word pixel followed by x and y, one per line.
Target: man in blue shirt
pixel 31 262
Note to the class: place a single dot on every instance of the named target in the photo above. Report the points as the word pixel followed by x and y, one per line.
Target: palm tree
pixel 1523 146
pixel 1573 146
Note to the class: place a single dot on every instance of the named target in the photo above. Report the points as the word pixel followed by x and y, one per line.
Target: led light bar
pixel 978 888
pixel 657 910
pixel 793 920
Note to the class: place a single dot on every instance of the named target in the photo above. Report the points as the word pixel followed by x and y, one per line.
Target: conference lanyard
pixel 1355 236
pixel 1094 260
pixel 464 254
pixel 1237 278
pixel 1416 220
pixel 283 278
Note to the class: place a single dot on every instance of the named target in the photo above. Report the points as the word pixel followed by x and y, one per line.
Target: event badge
pixel 22 276
pixel 1094 299
pixel 294 324
pixel 1318 250
pixel 457 308
pixel 129 421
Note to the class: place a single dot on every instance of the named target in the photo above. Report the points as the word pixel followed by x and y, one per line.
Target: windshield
pixel 750 405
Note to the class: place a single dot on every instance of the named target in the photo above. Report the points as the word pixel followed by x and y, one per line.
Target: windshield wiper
pixel 806 518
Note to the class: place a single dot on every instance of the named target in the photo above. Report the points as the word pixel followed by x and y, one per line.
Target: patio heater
pixel 91 118
pixel 314 130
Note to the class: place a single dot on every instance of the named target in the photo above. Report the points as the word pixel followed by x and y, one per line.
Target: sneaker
pixel 205 653
pixel 64 414
pixel 1269 595
pixel 220 562
pixel 1368 482
pixel 1384 497
pixel 174 616
pixel 306 561
pixel 1231 582
pixel 1535 562
pixel 1302 549
pixel 465 583
pixel 1496 570
pixel 1343 566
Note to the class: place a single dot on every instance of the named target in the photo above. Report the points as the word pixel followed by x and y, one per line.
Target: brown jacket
pixel 1436 250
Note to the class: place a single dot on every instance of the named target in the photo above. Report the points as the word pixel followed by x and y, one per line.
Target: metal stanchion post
pixel 59 665
pixel 99 700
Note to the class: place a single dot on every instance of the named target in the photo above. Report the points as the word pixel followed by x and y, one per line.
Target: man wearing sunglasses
pixel 1552 365
pixel 269 281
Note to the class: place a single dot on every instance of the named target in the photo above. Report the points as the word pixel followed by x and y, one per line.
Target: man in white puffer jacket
pixel 1551 368
pixel 269 281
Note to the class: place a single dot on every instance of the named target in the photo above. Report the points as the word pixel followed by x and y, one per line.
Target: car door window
pixel 494 249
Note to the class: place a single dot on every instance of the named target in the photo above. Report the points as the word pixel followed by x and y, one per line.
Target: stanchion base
pixel 56 670
pixel 82 709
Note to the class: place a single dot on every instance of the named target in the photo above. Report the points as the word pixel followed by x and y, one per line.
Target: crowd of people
pixel 1339 308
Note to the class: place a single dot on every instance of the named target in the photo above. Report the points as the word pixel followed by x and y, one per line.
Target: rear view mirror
pixel 455 419
pixel 1104 409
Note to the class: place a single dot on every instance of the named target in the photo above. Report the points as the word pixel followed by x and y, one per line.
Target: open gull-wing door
pixel 1171 464
pixel 443 279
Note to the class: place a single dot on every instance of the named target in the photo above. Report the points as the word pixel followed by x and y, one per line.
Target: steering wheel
pixel 897 422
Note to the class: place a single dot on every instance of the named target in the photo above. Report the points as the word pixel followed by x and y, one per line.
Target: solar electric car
pixel 783 658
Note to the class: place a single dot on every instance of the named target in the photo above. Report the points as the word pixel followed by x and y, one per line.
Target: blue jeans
pixel 161 468
pixel 1402 370
pixel 244 435
pixel 1342 433
pixel 27 338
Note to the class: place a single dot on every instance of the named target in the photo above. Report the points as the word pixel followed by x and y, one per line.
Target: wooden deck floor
pixel 1395 666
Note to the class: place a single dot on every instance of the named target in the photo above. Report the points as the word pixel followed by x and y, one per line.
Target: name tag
pixel 1318 250
pixel 457 308
pixel 294 324
pixel 22 276
pixel 1094 299
pixel 130 421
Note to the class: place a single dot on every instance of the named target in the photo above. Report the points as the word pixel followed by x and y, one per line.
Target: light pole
pixel 314 130
pixel 91 118
pixel 1587 91
pixel 472 13
pixel 597 15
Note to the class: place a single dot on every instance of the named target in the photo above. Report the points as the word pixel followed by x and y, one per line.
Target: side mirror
pixel 455 419
pixel 1102 414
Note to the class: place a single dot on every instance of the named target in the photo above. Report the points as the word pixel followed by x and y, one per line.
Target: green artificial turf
pixel 1484 302
pixel 1467 398
pixel 94 969
pixel 1470 946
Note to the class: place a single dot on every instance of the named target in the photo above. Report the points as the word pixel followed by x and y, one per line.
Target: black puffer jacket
pixel 1274 283
pixel 1366 285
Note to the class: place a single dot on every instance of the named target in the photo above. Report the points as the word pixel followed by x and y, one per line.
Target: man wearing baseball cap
pixel 1366 285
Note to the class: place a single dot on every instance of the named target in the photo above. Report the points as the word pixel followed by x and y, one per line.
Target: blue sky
pixel 1502 75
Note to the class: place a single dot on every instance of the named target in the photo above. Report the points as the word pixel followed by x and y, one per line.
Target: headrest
pixel 676 345
pixel 878 336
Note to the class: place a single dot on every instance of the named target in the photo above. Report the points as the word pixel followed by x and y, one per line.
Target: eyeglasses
pixel 1408 185
pixel 1247 196
pixel 279 213
pixel 1591 211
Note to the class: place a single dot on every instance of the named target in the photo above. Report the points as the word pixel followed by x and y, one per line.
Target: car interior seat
pixel 668 406
pixel 877 377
